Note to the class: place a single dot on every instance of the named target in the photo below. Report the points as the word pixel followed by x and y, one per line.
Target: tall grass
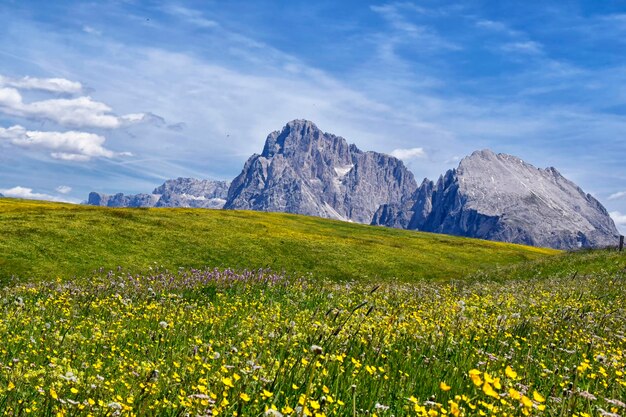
pixel 217 342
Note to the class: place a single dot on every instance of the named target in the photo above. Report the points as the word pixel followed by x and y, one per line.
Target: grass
pixel 43 241
pixel 211 342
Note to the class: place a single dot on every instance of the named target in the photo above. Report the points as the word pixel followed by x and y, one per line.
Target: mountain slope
pixel 180 192
pixel 46 240
pixel 500 197
pixel 304 170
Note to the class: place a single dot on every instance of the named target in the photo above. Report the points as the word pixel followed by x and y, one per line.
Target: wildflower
pixel 510 372
pixel 488 389
pixel 244 396
pixel 228 382
pixel 444 387
pixel 163 324
pixel 538 397
pixel 317 350
pixel 266 394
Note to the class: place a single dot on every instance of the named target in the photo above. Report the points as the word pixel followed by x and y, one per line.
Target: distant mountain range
pixel 306 171
pixel 180 192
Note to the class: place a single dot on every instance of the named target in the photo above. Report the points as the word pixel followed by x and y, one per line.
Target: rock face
pixel 304 170
pixel 181 192
pixel 500 197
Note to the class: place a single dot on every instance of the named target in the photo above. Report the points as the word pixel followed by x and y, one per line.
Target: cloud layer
pixel 73 112
pixel 52 85
pixel 66 146
pixel 27 193
pixel 407 154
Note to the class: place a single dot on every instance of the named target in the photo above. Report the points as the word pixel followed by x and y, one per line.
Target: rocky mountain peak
pixel 501 197
pixel 305 170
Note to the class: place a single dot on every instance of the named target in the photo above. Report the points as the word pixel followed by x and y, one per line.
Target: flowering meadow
pixel 219 342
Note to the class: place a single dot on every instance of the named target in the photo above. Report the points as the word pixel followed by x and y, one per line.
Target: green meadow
pixel 43 241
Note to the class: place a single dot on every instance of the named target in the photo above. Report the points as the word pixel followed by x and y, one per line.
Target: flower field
pixel 217 342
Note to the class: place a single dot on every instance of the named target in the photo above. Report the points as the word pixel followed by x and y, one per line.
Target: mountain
pixel 304 170
pixel 500 197
pixel 180 192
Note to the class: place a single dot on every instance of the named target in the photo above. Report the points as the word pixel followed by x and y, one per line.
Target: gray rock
pixel 1 195
pixel 304 170
pixel 181 192
pixel 500 197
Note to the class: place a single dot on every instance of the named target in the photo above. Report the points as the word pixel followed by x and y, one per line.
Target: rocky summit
pixel 180 192
pixel 500 197
pixel 304 170
pixel 307 171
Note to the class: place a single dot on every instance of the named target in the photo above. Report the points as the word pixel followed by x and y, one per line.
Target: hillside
pixel 44 240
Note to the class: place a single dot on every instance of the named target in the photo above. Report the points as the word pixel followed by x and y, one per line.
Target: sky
pixel 119 96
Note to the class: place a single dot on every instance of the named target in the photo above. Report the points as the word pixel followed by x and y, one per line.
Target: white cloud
pixel 617 195
pixel 525 47
pixel 76 112
pixel 27 193
pixel 67 146
pixel 407 154
pixel 53 85
pixel 91 30
pixel 191 16
pixel 63 189
pixel 620 220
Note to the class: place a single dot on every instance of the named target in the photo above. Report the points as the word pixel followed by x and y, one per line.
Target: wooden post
pixel 621 243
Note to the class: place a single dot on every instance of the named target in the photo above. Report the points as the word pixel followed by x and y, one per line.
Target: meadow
pixel 218 342
pixel 529 332
pixel 42 240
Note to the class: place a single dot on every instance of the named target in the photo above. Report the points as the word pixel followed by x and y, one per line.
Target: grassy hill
pixel 43 240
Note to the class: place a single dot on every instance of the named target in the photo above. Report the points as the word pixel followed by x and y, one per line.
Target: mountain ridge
pixel 303 170
pixel 500 197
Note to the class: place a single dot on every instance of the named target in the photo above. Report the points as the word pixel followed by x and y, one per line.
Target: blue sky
pixel 121 95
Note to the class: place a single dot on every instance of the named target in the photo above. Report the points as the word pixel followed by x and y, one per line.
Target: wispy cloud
pixel 27 193
pixel 190 16
pixel 64 189
pixel 66 146
pixel 75 112
pixel 53 85
pixel 527 47
pixel 407 154
pixel 618 195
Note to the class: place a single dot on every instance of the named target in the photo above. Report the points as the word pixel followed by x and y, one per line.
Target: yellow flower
pixel 74 390
pixel 244 396
pixel 510 372
pixel 11 386
pixel 315 405
pixel 53 394
pixel 266 394
pixel 444 387
pixel 526 402
pixel 228 382
pixel 475 376
pixel 538 397
pixel 514 394
pixel 487 389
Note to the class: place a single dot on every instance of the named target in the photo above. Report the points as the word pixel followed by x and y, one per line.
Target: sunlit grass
pixel 40 240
